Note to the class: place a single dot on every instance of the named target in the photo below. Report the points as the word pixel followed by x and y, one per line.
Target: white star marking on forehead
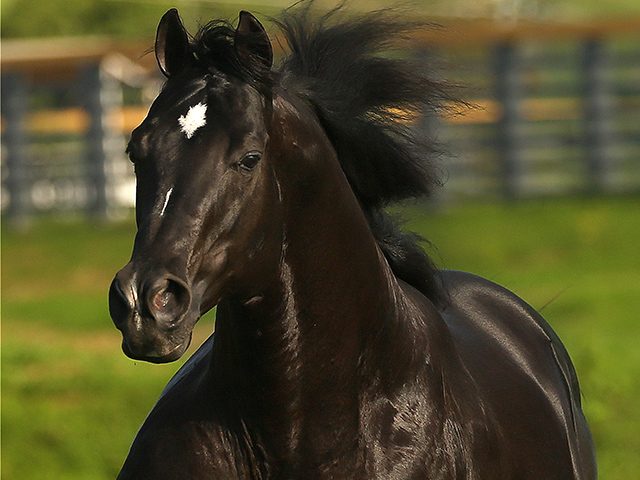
pixel 193 120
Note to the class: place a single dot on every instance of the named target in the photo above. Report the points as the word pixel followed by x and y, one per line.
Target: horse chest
pixel 188 451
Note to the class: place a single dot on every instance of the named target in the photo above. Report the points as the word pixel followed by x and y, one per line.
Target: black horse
pixel 340 352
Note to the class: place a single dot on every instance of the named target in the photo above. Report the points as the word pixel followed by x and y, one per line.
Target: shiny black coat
pixel 339 352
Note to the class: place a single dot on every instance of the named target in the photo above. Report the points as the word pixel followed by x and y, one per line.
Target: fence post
pixel 597 113
pixel 509 95
pixel 104 95
pixel 14 109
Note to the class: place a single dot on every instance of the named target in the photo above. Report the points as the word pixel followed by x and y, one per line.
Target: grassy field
pixel 71 401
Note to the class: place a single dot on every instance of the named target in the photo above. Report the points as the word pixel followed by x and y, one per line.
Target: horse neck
pixel 297 351
pixel 334 284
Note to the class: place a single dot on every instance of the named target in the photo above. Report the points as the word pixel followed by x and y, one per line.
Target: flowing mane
pixel 356 75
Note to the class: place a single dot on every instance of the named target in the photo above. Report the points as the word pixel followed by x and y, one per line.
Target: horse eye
pixel 249 161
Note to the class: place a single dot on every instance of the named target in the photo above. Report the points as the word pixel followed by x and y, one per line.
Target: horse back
pixel 525 377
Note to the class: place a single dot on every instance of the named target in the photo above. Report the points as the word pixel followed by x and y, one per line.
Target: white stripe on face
pixel 166 201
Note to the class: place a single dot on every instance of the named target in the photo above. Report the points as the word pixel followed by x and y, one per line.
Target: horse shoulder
pixel 522 369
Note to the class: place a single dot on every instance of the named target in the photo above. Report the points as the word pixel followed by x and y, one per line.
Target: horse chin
pixel 165 353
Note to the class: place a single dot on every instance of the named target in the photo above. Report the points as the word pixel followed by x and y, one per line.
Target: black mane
pixel 365 98
pixel 364 88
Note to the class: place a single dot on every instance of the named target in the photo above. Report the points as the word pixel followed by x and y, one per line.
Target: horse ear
pixel 252 42
pixel 172 44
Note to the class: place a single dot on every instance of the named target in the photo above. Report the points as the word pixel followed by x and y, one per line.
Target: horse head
pixel 207 200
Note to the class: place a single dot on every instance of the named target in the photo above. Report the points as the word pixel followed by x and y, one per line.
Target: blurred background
pixel 541 194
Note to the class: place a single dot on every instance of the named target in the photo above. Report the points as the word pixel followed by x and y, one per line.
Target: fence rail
pixel 555 112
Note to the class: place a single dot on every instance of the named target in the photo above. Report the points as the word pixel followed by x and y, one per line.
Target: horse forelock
pixel 214 50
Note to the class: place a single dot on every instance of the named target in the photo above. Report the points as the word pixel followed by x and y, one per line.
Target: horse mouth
pixel 153 353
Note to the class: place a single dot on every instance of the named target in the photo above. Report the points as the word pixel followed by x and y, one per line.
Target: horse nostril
pixel 119 305
pixel 165 299
pixel 168 299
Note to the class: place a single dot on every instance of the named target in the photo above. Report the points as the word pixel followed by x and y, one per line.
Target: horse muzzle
pixel 153 314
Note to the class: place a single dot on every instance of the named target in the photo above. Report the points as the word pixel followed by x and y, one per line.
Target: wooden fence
pixel 554 111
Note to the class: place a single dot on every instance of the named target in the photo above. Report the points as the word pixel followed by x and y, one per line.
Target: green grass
pixel 72 402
